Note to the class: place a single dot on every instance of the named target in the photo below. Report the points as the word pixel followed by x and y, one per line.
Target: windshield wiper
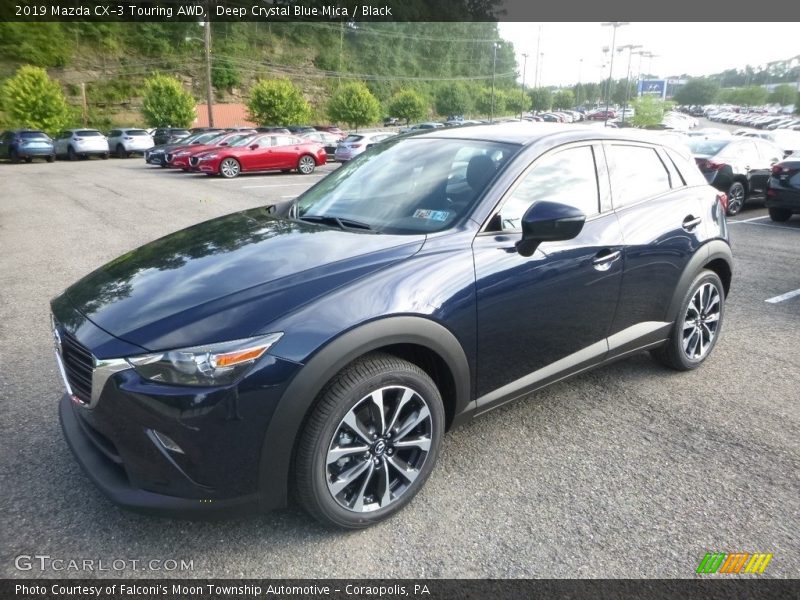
pixel 340 222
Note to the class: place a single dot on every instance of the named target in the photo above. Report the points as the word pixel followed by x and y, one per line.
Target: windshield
pixel 407 186
pixel 707 147
pixel 354 138
pixel 208 138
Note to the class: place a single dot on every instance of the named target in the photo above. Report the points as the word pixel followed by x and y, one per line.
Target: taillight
pixel 722 198
pixel 127 137
pixel 709 165
pixel 78 139
pixel 777 169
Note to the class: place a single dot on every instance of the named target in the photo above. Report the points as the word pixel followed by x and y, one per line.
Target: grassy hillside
pixel 113 59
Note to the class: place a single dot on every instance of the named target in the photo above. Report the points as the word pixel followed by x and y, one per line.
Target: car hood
pixel 227 278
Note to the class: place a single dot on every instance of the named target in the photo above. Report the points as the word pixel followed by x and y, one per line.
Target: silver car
pixel 354 144
pixel 124 142
pixel 81 143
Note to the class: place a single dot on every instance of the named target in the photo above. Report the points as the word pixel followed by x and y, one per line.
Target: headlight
pixel 184 153
pixel 208 156
pixel 214 364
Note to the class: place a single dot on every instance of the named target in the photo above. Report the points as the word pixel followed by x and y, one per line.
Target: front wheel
pixel 104 156
pixel 306 164
pixel 121 151
pixel 51 158
pixel 229 168
pixel 736 198
pixel 780 214
pixel 370 443
pixel 697 327
pixel 71 154
pixel 13 156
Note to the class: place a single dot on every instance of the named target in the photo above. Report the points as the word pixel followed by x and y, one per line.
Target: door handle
pixel 605 258
pixel 691 222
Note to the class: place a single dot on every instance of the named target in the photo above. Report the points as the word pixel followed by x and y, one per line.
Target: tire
pixel 736 198
pixel 104 156
pixel 71 155
pixel 306 164
pixel 121 151
pixel 51 158
pixel 29 159
pixel 348 402
pixel 703 310
pixel 229 168
pixel 13 156
pixel 780 214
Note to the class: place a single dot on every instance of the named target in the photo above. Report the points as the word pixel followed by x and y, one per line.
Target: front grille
pixel 78 364
pixel 194 161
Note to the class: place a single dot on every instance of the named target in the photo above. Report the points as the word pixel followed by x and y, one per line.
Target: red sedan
pixel 265 153
pixel 179 157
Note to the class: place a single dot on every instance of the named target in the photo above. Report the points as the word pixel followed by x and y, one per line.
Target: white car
pixel 355 143
pixel 81 143
pixel 124 142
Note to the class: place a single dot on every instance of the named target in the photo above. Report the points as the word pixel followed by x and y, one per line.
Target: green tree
pixel 483 102
pixel 541 99
pixel 618 93
pixel 783 94
pixel 514 101
pixel 277 102
pixel 408 105
pixel 453 99
pixel 750 96
pixel 224 74
pixel 564 99
pixel 31 99
pixel 648 111
pixel 354 104
pixel 697 92
pixel 591 93
pixel 166 103
pixel 797 104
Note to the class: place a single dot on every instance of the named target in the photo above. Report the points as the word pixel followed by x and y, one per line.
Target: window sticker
pixel 431 215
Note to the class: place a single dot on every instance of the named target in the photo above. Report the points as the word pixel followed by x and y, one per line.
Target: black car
pixel 327 347
pixel 300 129
pixel 783 190
pixel 739 167
pixel 157 155
pixel 26 144
pixel 169 135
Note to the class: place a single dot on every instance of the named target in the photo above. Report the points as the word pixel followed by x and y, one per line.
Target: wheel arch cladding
pixel 715 256
pixel 421 341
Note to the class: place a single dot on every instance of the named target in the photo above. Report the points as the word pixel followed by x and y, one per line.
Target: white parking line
pixel 782 297
pixel 748 220
pixel 272 185
pixel 772 225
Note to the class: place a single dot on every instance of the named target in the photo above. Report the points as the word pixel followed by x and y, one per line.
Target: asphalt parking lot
pixel 627 471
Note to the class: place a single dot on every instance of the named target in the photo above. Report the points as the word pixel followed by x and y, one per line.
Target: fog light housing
pixel 167 442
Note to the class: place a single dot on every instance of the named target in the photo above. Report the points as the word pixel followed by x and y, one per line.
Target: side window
pixel 568 177
pixel 675 178
pixel 636 173
pixel 283 140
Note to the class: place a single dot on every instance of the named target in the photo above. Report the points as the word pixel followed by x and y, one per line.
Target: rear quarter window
pixel 636 173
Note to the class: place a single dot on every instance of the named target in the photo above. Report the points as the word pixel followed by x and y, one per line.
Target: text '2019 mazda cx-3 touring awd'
pixel 327 347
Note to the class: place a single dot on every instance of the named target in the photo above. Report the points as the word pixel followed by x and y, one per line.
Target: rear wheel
pixel 697 327
pixel 104 156
pixel 51 158
pixel 13 155
pixel 229 168
pixel 306 164
pixel 370 443
pixel 736 198
pixel 780 214
pixel 121 151
pixel 71 154
pixel 28 159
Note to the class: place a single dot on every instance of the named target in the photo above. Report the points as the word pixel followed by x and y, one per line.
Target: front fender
pixel 301 394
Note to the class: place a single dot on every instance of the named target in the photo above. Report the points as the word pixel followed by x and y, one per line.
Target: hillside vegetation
pixel 114 59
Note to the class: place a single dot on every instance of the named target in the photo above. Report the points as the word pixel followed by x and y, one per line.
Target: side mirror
pixel 223 143
pixel 549 222
pixel 253 146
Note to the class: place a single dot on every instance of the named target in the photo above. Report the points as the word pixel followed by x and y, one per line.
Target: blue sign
pixel 653 87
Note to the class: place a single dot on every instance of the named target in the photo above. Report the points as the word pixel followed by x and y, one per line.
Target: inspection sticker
pixel 432 215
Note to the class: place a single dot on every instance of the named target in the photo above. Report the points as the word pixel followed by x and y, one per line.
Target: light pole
pixel 209 90
pixel 541 67
pixel 579 88
pixel 630 48
pixel 615 25
pixel 522 99
pixel 495 46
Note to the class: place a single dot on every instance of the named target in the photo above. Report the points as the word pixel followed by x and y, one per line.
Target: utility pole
pixel 522 102
pixel 630 48
pixel 209 90
pixel 580 86
pixel 85 107
pixel 536 72
pixel 615 25
pixel 494 66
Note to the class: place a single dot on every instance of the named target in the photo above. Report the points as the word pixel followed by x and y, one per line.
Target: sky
pixel 691 48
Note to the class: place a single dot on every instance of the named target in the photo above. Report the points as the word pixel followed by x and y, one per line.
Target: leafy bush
pixel 277 102
pixel 648 111
pixel 166 103
pixel 408 105
pixel 453 99
pixel 31 99
pixel 355 105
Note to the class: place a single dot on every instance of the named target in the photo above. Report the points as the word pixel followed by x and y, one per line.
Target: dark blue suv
pixel 325 346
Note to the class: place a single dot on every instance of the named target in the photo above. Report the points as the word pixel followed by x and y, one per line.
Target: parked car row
pixel 757 120
pixel 228 153
pixel 72 144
